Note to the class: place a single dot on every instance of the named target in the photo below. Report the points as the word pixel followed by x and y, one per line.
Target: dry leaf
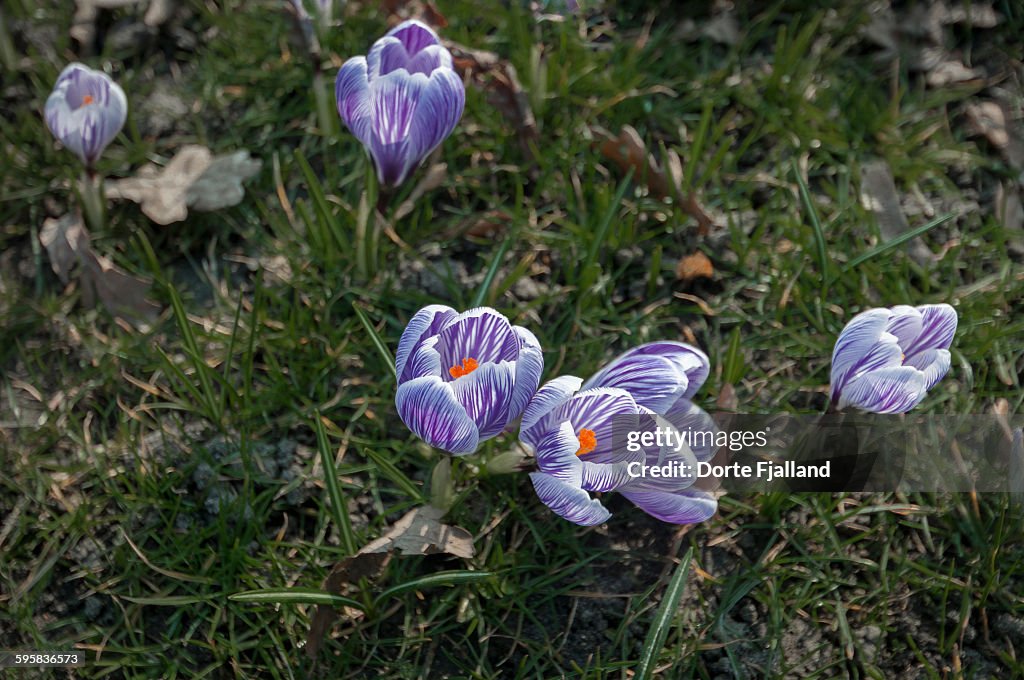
pixel 67 243
pixel 220 185
pixel 419 532
pixel 628 152
pixel 993 120
pixel 1009 210
pixel 952 72
pixel 193 178
pixel 694 266
pixel 878 194
pixel 497 78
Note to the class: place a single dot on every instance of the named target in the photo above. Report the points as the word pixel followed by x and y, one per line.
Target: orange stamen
pixel 588 442
pixel 87 99
pixel 469 365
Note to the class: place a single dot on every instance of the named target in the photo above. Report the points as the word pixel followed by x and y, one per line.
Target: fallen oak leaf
pixel 193 178
pixel 629 152
pixel 419 532
pixel 67 243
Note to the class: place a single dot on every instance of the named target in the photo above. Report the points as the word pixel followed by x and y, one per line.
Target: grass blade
pixel 898 241
pixel 819 233
pixel 444 578
pixel 338 506
pixel 375 338
pixel 394 474
pixel 481 292
pixel 294 596
pixel 663 619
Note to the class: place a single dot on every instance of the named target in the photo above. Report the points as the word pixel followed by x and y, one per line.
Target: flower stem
pixel 90 193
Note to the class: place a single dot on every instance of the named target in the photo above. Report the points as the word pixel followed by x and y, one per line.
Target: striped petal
pixel 856 340
pixel 85 111
pixel 425 323
pixel 529 367
pixel 687 507
pixel 938 326
pixel 485 395
pixel 934 363
pixel 428 407
pixel 556 455
pixel 889 390
pixel 552 395
pixel 656 373
pixel 482 334
pixel 569 502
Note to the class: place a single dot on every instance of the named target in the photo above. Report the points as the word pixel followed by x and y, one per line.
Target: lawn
pixel 179 476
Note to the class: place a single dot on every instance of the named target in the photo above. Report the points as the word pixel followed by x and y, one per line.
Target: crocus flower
pixel 463 378
pixel 656 374
pixel 402 100
pixel 570 432
pixel 886 360
pixel 85 111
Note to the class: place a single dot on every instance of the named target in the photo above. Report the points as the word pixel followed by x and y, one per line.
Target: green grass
pixel 151 476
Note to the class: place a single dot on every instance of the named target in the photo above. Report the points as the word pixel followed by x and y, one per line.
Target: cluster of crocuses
pixel 465 378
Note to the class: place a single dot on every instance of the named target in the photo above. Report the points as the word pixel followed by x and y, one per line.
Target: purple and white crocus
pixel 402 100
pixel 85 111
pixel 463 378
pixel 571 429
pixel 886 360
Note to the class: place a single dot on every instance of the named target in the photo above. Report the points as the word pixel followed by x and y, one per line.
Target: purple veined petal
pixel 428 407
pixel 682 465
pixel 556 455
pixel 686 359
pixel 905 324
pixel 596 410
pixel 569 502
pixel 485 394
pixel 688 507
pixel 609 476
pixel 393 100
pixel 352 93
pixel 529 367
pixel 389 54
pixel 684 415
pixel 424 323
pixel 85 111
pixel 653 381
pixel 856 339
pixel 438 112
pixel 888 390
pixel 414 35
pixel 938 326
pixel 549 397
pixel 933 363
pixel 482 334
pixel 425 361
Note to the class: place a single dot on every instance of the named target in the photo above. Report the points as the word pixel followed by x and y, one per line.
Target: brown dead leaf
pixel 629 152
pixel 67 243
pixel 993 120
pixel 694 266
pixel 193 178
pixel 878 194
pixel 400 10
pixel 497 78
pixel 419 532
